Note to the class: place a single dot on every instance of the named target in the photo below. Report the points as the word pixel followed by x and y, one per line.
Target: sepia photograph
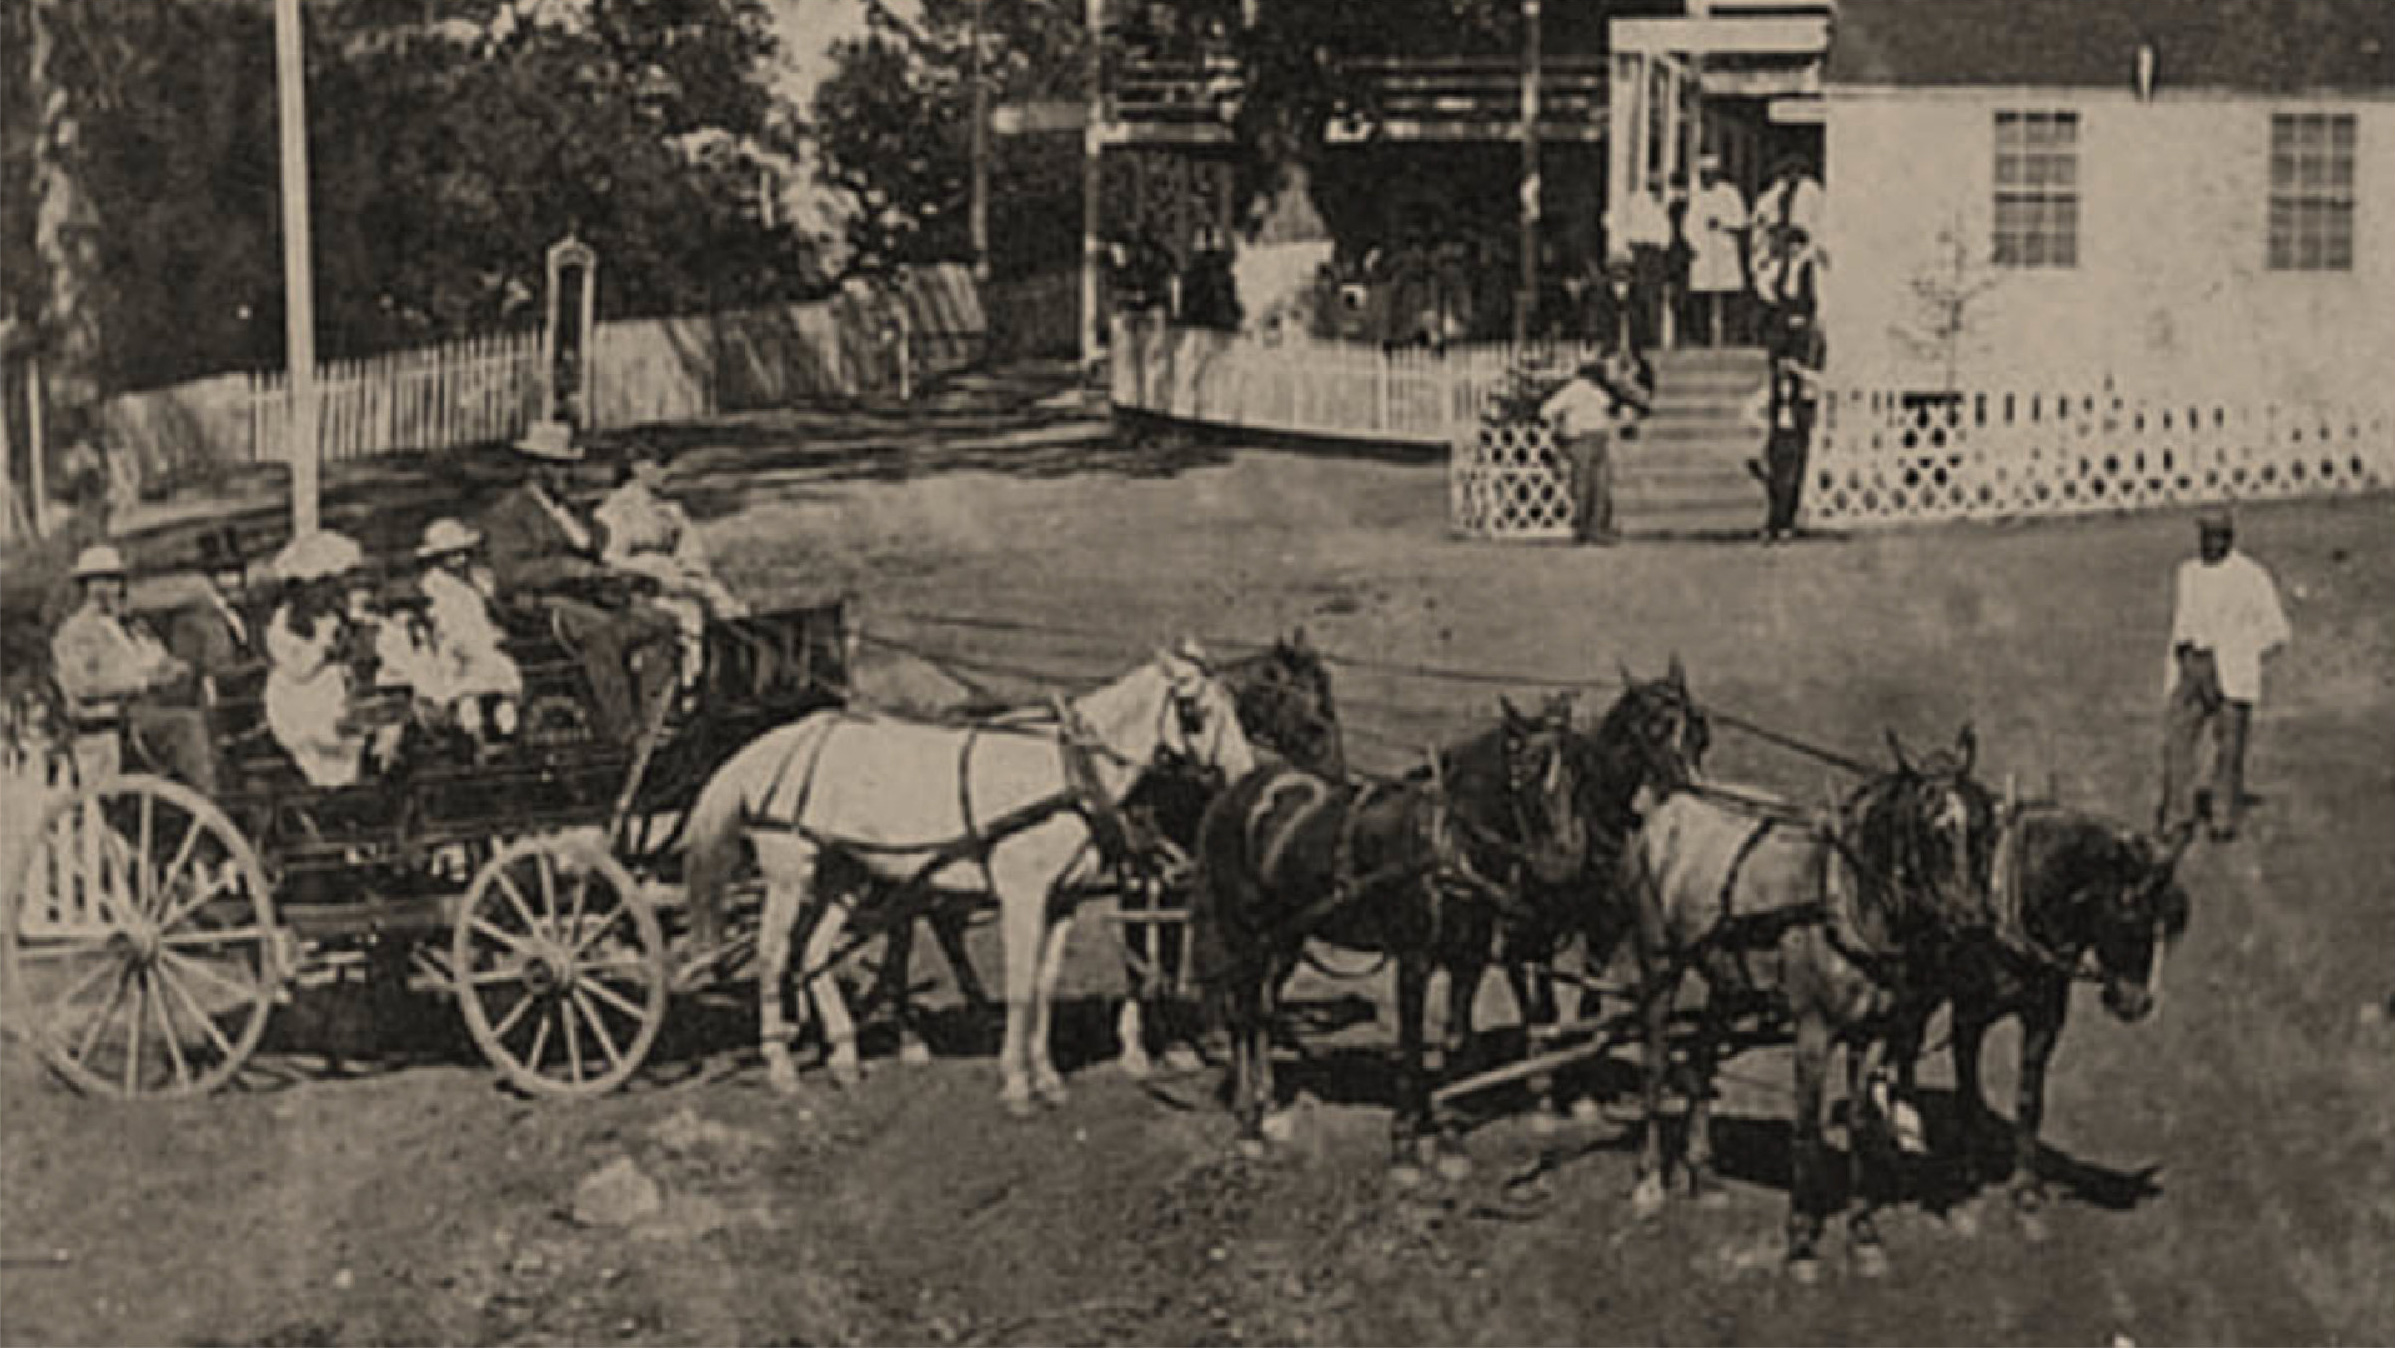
pixel 1197 672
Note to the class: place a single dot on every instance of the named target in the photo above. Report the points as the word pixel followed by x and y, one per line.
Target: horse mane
pixel 2068 857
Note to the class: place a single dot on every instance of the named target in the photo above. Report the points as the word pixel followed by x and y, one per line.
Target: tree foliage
pixel 893 128
pixel 450 142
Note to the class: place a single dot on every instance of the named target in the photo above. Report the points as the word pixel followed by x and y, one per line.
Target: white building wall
pixel 2172 296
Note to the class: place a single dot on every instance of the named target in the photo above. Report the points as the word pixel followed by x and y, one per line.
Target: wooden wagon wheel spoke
pixel 573 1037
pixel 182 858
pixel 215 886
pixel 139 981
pixel 166 1031
pixel 611 997
pixel 143 874
pixel 209 973
pixel 513 942
pixel 91 1033
pixel 515 1016
pixel 591 937
pixel 540 1036
pixel 615 1055
pixel 516 900
pixel 547 871
pixel 192 1007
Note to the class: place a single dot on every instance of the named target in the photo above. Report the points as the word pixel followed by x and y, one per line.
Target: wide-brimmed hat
pixel 321 555
pixel 551 442
pixel 99 561
pixel 445 536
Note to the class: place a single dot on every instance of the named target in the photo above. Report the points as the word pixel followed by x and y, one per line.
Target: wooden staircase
pixel 1686 472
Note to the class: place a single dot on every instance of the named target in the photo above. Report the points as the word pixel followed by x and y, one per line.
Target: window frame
pixel 2312 196
pixel 2036 188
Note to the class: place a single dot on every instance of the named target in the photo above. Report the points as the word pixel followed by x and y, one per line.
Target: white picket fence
pixel 636 371
pixel 1304 386
pixel 1883 457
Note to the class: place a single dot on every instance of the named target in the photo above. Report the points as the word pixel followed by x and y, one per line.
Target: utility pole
pixel 299 294
pixel 1093 143
pixel 1526 302
pixel 980 217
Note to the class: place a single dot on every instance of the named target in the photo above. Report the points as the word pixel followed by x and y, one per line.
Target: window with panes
pixel 2311 191
pixel 2037 189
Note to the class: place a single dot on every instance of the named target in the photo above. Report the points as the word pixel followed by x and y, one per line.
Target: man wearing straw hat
pixel 543 553
pixel 2225 619
pixel 1599 403
pixel 114 674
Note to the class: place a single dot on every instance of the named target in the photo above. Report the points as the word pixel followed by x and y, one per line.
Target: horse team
pixel 1849 926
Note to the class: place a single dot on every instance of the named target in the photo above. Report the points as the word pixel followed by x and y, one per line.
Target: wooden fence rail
pixel 636 371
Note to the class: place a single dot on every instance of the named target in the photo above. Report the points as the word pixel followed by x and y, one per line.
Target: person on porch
pixel 1645 235
pixel 1717 224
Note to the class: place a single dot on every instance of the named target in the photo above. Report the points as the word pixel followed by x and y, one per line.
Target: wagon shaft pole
pixel 1537 1064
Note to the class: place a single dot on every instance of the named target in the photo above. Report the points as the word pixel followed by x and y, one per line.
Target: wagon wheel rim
pixel 560 968
pixel 139 949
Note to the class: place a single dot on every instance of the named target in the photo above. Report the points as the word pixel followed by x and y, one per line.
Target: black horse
pixel 2066 890
pixel 1838 924
pixel 1650 744
pixel 1287 856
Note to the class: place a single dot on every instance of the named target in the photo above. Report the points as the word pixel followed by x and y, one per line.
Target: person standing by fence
pixel 1599 404
pixel 2225 619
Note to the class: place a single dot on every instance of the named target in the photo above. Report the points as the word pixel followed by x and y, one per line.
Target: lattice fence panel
pixel 1508 481
pixel 1882 458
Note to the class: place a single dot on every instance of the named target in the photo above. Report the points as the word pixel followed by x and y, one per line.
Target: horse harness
pixel 1114 834
pixel 2010 927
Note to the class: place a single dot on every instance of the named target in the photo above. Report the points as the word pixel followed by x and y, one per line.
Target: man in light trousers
pixel 2227 617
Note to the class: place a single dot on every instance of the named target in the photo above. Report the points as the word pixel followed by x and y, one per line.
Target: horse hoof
pixel 1871 1261
pixel 1963 1220
pixel 1280 1126
pixel 1018 1103
pixel 1454 1167
pixel 1647 1199
pixel 1252 1149
pixel 1182 1058
pixel 1405 1175
pixel 783 1078
pixel 915 1053
pixel 1711 1196
pixel 1587 1110
pixel 1804 1270
pixel 1546 1123
pixel 1136 1066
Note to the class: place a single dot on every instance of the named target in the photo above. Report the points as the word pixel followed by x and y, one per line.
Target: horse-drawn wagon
pixel 151 930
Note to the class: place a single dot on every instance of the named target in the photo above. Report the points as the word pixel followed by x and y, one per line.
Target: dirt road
pixel 2227 1171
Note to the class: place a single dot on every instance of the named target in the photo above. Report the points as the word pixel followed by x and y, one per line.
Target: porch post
pixel 1526 302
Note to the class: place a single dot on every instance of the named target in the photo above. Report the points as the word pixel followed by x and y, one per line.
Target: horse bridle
pixel 2012 927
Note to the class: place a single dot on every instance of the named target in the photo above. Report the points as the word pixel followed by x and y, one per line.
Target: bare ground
pixel 2227 1171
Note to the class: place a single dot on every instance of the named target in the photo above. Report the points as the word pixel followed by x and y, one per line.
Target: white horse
pixel 1011 810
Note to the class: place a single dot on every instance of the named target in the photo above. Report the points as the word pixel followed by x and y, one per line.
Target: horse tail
pixel 716 828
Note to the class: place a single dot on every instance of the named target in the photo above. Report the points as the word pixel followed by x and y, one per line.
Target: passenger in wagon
pixel 546 555
pixel 467 669
pixel 116 676
pixel 211 633
pixel 308 682
pixel 648 535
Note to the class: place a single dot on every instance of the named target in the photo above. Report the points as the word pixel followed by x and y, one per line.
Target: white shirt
pixel 2232 610
pixel 1579 408
pixel 1713 221
pixel 1644 221
pixel 307 694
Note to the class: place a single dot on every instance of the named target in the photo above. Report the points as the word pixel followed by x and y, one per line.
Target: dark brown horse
pixel 2071 896
pixel 1831 922
pixel 1287 857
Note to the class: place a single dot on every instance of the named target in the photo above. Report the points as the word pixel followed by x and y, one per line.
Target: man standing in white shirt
pixel 2226 619
pixel 1716 225
pixel 1599 404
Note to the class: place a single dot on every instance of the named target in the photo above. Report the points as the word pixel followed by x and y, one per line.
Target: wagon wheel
pixel 560 967
pixel 139 945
